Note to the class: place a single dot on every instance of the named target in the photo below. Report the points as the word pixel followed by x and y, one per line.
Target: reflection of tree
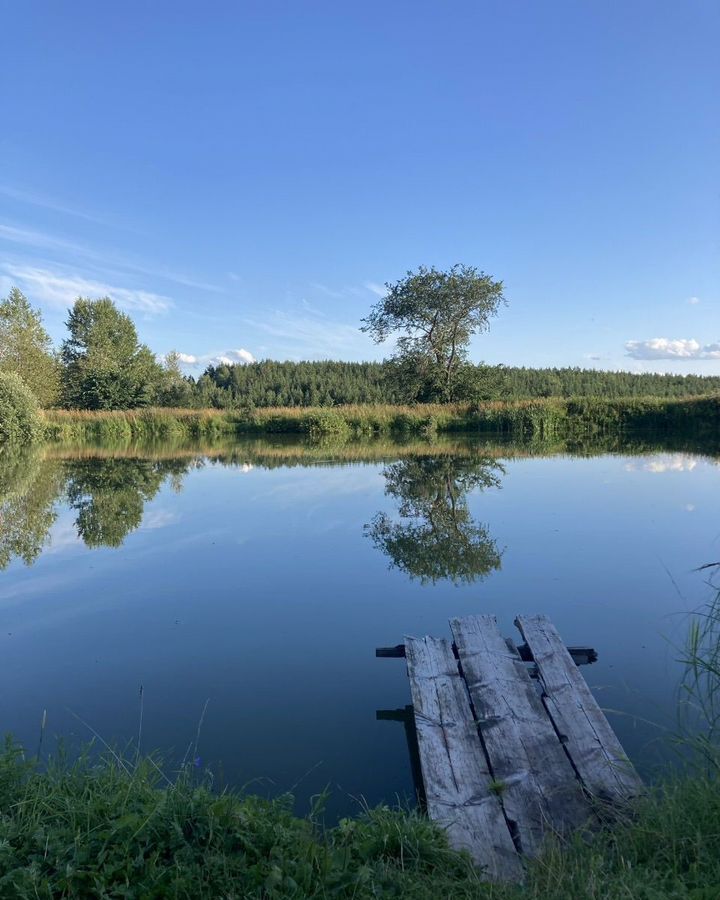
pixel 438 537
pixel 109 495
pixel 29 487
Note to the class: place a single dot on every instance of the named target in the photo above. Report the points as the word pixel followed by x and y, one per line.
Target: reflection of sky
pixel 670 462
pixel 262 594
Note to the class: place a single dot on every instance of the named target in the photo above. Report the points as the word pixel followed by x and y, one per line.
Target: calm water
pixel 254 582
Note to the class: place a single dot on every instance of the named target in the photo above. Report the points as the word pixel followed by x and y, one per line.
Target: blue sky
pixel 247 175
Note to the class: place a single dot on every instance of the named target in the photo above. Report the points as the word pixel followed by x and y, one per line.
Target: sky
pixel 244 177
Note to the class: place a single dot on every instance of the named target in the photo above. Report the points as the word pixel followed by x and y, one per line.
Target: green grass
pixel 550 418
pixel 110 827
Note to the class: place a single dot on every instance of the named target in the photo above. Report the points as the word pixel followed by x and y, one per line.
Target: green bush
pixel 20 421
pixel 325 422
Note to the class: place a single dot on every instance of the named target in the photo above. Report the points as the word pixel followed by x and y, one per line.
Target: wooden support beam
pixel 582 656
pixel 406 715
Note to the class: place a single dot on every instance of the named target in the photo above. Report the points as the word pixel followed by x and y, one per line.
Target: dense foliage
pixel 271 383
pixel 19 414
pixel 104 364
pixel 25 348
pixel 327 383
pixel 433 315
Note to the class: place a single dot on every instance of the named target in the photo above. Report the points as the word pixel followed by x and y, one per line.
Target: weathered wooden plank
pixel 588 738
pixel 540 790
pixel 457 781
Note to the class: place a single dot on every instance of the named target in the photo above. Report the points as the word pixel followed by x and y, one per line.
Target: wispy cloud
pixel 343 293
pixel 693 301
pixel 158 518
pixel 665 348
pixel 334 293
pixel 39 240
pixel 61 290
pixel 309 337
pixel 378 289
pixel 27 237
pixel 45 202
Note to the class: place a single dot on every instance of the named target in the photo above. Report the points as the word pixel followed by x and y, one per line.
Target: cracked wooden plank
pixel 540 792
pixel 458 785
pixel 595 751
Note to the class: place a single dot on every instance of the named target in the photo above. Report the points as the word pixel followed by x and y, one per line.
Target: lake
pixel 246 586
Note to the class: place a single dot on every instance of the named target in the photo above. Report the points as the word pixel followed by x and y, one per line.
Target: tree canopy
pixel 25 348
pixel 20 421
pixel 106 367
pixel 435 314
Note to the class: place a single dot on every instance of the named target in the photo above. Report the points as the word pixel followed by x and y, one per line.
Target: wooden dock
pixel 507 758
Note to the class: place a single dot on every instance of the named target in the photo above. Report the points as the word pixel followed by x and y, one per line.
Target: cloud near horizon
pixel 665 348
pixel 224 357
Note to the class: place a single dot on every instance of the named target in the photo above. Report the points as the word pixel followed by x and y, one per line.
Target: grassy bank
pixel 547 419
pixel 118 828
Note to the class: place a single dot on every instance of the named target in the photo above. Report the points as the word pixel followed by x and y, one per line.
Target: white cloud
pixel 670 462
pixel 665 348
pixel 224 357
pixel 230 357
pixel 693 301
pixel 62 290
pixel 674 464
pixel 378 289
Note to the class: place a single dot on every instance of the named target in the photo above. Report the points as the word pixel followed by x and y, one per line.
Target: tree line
pixel 102 365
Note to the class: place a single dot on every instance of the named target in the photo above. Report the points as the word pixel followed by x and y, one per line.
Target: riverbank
pixel 546 419
pixel 114 827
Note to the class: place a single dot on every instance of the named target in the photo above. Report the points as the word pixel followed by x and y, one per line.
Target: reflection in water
pixel 432 538
pixel 29 487
pixel 109 495
pixel 437 537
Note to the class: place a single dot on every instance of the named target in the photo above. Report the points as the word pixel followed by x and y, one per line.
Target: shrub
pixel 325 422
pixel 20 421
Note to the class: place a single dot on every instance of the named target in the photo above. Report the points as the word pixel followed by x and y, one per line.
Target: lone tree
pixel 106 367
pixel 436 313
pixel 25 348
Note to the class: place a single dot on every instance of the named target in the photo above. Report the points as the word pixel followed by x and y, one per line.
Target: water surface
pixel 254 581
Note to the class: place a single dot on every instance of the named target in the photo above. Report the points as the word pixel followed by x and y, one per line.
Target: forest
pixel 328 383
pixel 103 366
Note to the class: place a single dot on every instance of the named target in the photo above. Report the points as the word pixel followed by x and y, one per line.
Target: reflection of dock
pixel 505 759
